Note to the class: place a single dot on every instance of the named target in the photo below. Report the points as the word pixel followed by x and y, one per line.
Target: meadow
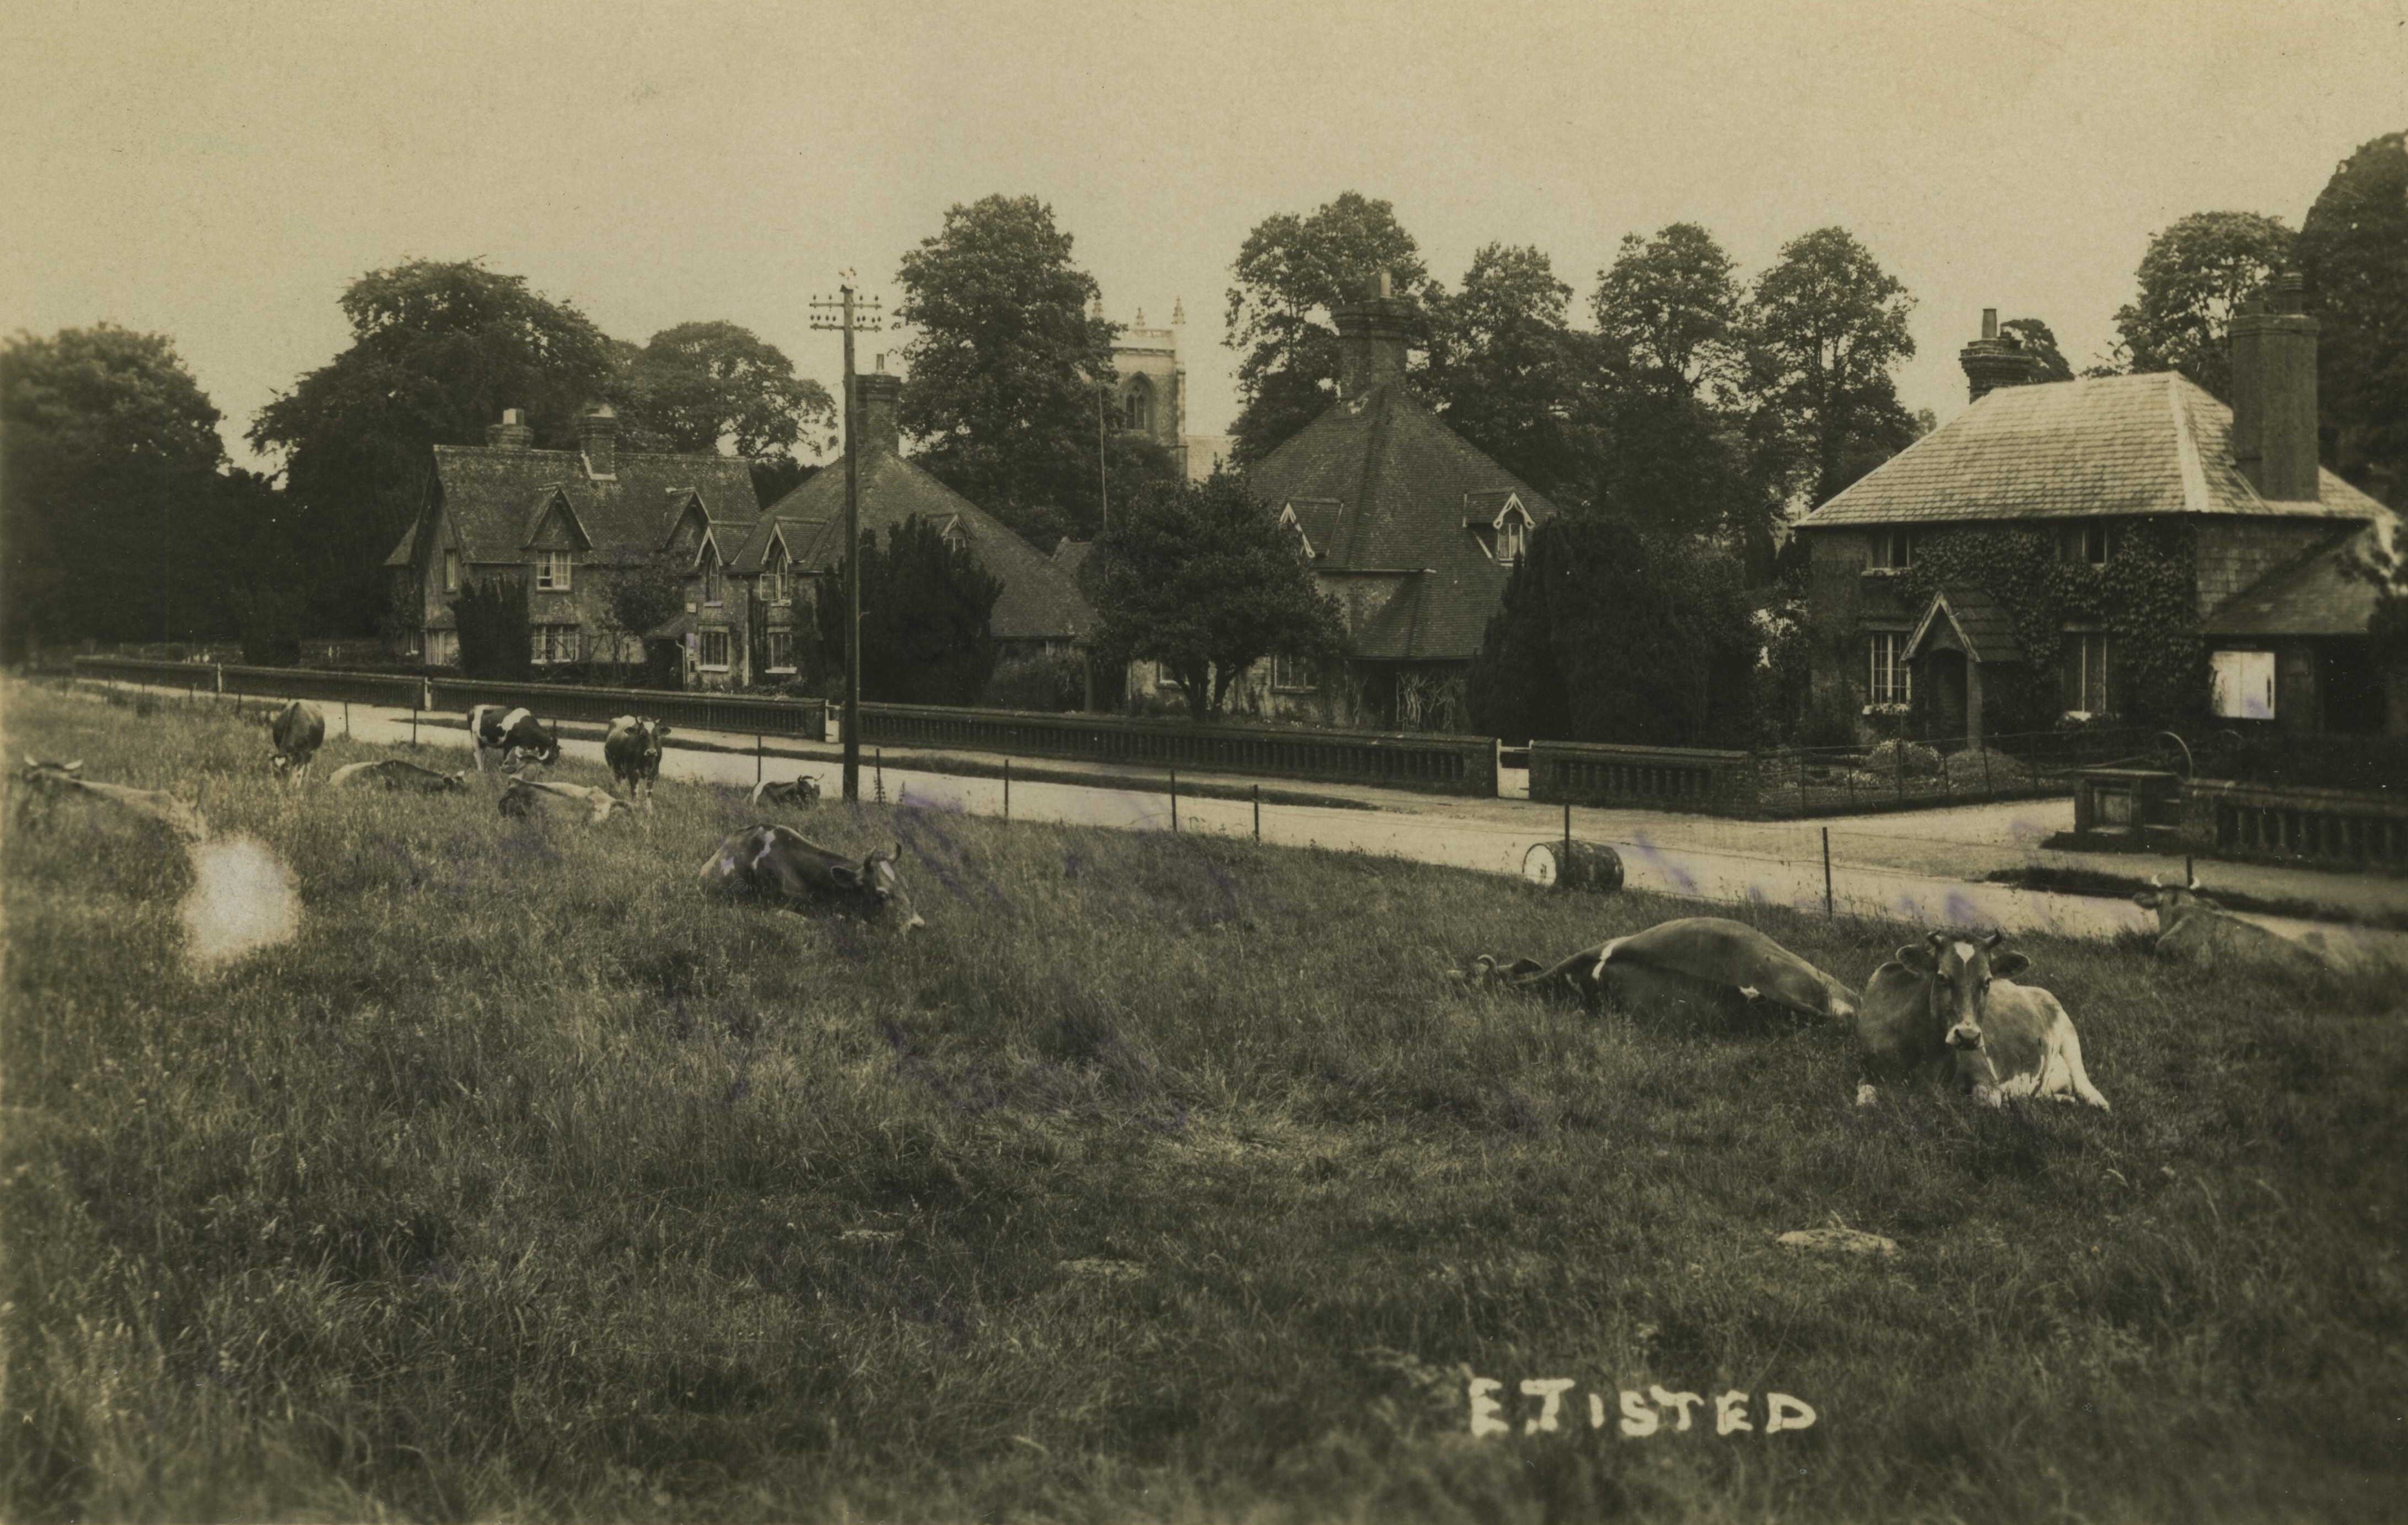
pixel 1160 1177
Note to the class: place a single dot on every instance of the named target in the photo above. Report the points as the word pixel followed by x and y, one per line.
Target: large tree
pixel 113 513
pixel 1504 367
pixel 1291 273
pixel 1667 311
pixel 925 610
pixel 1201 578
pixel 698 385
pixel 1007 363
pixel 1827 331
pixel 2037 340
pixel 2352 250
pixel 2192 277
pixel 438 349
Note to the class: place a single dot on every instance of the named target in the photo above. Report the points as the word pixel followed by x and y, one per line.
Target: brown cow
pixel 1945 1009
pixel 2197 929
pixel 1696 961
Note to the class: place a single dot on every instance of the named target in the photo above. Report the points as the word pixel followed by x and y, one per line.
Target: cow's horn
pixel 2156 883
pixel 1938 939
pixel 2195 886
pixel 1998 935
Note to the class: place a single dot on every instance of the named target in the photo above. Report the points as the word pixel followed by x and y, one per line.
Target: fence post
pixel 1568 831
pixel 1897 746
pixel 1827 871
pixel 1174 800
pixel 1987 788
pixel 347 719
pixel 1258 814
pixel 758 745
pixel 1007 789
pixel 414 725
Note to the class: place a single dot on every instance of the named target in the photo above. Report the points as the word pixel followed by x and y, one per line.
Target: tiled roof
pixel 752 555
pixel 1071 556
pixel 493 499
pixel 406 553
pixel 2109 445
pixel 1980 621
pixel 2314 595
pixel 1040 599
pixel 1382 485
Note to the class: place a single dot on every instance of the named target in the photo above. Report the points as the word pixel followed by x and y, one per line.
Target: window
pixel 2086 673
pixel 2243 683
pixel 443 649
pixel 553 643
pixel 1294 674
pixel 551 571
pixel 781 650
pixel 2093 541
pixel 1889 679
pixel 953 537
pixel 1893 549
pixel 714 649
pixel 710 589
pixel 1512 538
pixel 451 571
pixel 773 577
pixel 1136 407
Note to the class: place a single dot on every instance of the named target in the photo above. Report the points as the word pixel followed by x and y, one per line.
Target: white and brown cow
pixel 512 735
pixel 396 773
pixel 298 731
pixel 526 796
pixel 2197 929
pixel 44 783
pixel 632 748
pixel 1946 1009
pixel 802 793
pixel 780 864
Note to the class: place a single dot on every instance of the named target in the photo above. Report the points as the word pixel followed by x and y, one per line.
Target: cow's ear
pixel 2146 900
pixel 2008 965
pixel 1918 957
pixel 845 874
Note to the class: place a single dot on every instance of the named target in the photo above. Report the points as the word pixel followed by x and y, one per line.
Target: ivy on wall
pixel 2145 597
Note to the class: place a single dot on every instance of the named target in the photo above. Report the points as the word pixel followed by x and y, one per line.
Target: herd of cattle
pixel 1947 1009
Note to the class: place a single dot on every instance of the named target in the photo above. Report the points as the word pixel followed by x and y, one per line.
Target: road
pixel 1920 874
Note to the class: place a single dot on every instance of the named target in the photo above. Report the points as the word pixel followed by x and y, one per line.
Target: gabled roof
pixel 772 530
pixel 1316 520
pixel 2111 445
pixel 2312 594
pixel 489 496
pixel 1980 623
pixel 1040 599
pixel 550 500
pixel 1380 484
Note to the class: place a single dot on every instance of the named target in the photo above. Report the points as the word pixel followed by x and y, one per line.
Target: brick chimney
pixel 2274 395
pixel 597 435
pixel 874 399
pixel 1372 333
pixel 1991 362
pixel 512 433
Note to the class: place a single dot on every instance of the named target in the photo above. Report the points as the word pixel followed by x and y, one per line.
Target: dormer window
pixel 551 571
pixel 1508 534
pixel 710 589
pixel 451 571
pixel 773 575
pixel 953 537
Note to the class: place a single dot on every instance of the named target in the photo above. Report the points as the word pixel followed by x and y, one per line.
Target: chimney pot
pixel 1991 362
pixel 1989 322
pixel 512 433
pixel 597 435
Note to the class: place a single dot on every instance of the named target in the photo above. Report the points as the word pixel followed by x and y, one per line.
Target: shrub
pixel 1920 761
pixel 1054 682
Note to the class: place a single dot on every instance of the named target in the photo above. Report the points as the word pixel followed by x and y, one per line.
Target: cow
pixel 633 750
pixel 1699 961
pixel 396 773
pixel 509 735
pixel 1948 1010
pixel 803 791
pixel 2197 929
pixel 297 729
pixel 778 861
pixel 48 781
pixel 525 796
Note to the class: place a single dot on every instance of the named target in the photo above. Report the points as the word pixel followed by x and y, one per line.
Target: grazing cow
pixel 509 735
pixel 1945 1009
pixel 2197 929
pixel 396 773
pixel 1699 961
pixel 46 782
pixel 803 791
pixel 297 729
pixel 776 860
pixel 525 796
pixel 633 750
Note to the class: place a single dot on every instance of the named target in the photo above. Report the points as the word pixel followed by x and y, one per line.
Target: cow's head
pixel 657 736
pixel 2169 900
pixel 1960 970
pixel 537 743
pixel 878 871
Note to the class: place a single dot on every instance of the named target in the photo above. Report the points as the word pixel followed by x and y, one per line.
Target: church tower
pixel 1150 385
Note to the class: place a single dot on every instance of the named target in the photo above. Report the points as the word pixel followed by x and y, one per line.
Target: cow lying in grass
pixel 526 796
pixel 298 731
pixel 396 773
pixel 44 783
pixel 2197 929
pixel 1946 1009
pixel 1699 962
pixel 803 792
pixel 778 862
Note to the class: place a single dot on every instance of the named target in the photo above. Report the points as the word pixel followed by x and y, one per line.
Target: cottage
pixel 1411 528
pixel 2075 548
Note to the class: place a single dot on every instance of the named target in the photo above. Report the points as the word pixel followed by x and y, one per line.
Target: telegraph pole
pixel 850 312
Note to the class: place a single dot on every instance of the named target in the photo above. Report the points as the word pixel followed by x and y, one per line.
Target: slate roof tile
pixel 493 499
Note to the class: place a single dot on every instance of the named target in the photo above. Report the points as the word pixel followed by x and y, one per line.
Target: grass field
pixel 1160 1177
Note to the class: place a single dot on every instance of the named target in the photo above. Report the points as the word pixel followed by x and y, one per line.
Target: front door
pixel 1943 674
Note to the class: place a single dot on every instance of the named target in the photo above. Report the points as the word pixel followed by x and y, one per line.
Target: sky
pixel 219 173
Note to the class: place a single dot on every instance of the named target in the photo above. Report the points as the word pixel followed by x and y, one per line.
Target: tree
pixel 494 629
pixel 438 349
pixel 1006 361
pixel 1292 272
pixel 1605 635
pixel 2193 277
pixel 2035 338
pixel 110 492
pixel 639 598
pixel 697 385
pixel 2353 251
pixel 1503 366
pixel 1827 328
pixel 1201 578
pixel 1668 312
pixel 924 608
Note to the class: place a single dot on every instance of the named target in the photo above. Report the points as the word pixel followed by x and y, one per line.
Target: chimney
pixel 1372 333
pixel 597 435
pixel 874 397
pixel 2274 395
pixel 512 432
pixel 1991 362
